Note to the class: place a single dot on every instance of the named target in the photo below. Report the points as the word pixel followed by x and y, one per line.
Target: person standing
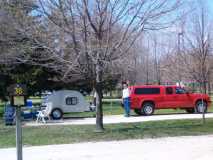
pixel 94 97
pixel 126 99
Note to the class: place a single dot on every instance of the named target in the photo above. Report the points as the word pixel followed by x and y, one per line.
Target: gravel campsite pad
pixel 175 148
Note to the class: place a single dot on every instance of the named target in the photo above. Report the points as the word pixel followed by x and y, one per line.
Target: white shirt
pixel 95 95
pixel 126 93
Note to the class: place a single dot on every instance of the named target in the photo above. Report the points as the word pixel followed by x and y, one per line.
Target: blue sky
pixel 210 7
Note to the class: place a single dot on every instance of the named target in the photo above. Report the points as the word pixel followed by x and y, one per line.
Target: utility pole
pixel 179 58
pixel 156 63
pixel 147 64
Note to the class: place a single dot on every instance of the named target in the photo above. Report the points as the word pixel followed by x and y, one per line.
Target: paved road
pixel 176 148
pixel 121 119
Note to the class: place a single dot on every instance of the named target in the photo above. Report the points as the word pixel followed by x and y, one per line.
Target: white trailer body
pixel 65 101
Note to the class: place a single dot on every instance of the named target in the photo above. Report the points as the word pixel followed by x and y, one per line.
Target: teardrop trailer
pixel 65 101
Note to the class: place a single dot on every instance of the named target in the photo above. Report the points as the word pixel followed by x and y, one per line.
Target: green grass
pixel 110 108
pixel 36 100
pixel 46 135
pixel 114 108
pixel 1 110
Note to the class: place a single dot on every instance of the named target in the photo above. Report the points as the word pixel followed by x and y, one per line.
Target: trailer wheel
pixel 56 114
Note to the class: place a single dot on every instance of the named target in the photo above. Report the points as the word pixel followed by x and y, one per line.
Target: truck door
pixel 169 98
pixel 134 99
pixel 182 98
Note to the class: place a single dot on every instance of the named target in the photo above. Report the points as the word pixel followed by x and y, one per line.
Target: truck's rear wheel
pixel 148 108
pixel 201 106
pixel 56 114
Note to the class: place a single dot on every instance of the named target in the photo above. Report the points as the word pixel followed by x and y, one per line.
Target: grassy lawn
pixel 1 110
pixel 110 108
pixel 44 135
pixel 114 108
pixel 71 134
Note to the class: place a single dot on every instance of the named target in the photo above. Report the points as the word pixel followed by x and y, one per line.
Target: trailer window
pixel 71 100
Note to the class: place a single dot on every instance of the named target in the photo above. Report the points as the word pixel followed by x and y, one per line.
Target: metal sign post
pixel 18 99
pixel 18 133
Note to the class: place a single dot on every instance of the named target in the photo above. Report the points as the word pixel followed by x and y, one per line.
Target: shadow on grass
pixel 154 127
pixel 78 117
pixel 159 114
pixel 162 114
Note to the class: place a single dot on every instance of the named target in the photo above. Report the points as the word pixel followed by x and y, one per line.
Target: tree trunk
pixel 98 88
pixel 110 93
pixel 205 87
pixel 209 86
pixel 204 84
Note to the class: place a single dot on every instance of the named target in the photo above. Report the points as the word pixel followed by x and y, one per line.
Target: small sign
pixel 19 100
pixel 18 93
pixel 17 90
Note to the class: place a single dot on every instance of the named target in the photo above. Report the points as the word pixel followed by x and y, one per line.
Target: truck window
pixel 71 100
pixel 147 91
pixel 169 90
pixel 180 90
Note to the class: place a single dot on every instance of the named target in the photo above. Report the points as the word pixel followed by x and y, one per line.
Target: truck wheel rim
pixel 148 109
pixel 201 107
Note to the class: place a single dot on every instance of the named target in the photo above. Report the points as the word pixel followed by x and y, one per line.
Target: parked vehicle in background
pixel 145 99
pixel 64 101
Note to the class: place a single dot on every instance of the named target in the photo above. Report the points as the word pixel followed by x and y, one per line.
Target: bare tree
pixel 82 40
pixel 198 54
pixel 13 41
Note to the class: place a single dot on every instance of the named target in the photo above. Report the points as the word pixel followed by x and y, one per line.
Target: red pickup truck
pixel 145 99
